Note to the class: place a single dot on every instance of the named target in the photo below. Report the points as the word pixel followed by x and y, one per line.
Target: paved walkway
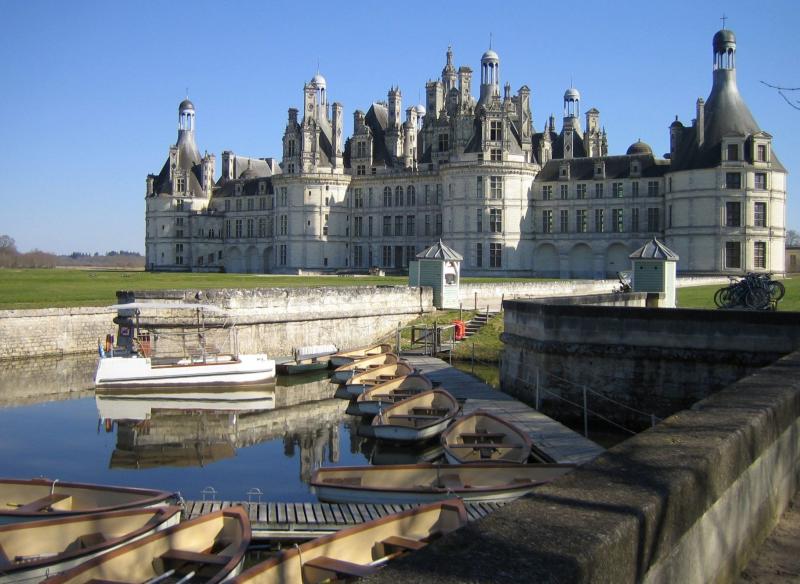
pixel 553 439
pixel 778 559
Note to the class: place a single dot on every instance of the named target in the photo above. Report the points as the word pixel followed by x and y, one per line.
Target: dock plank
pixel 309 509
pixel 300 513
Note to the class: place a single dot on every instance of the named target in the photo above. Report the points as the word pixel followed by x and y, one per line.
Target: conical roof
pixel 439 251
pixel 654 250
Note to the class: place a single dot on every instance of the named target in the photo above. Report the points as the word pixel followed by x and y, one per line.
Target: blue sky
pixel 88 105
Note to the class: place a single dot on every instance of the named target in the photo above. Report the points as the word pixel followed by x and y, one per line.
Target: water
pixel 52 424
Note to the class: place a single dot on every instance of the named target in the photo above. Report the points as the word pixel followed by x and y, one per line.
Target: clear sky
pixel 89 90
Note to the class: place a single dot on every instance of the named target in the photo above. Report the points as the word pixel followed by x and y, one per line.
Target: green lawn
pixel 68 287
pixel 703 296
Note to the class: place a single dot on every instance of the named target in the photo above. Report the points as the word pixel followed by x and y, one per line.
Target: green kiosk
pixel 439 267
pixel 654 270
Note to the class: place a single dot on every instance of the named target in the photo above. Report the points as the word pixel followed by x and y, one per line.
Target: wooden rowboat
pixel 345 357
pixel 383 395
pixel 356 385
pixel 210 549
pixel 26 499
pixel 343 373
pixel 419 483
pixel 417 418
pixel 360 550
pixel 30 551
pixel 482 437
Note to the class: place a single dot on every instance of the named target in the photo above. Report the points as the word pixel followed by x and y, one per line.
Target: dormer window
pixel 180 184
pixel 496 131
pixel 361 149
pixel 761 153
pixel 733 152
pixel 563 172
pixel 238 189
pixel 444 142
pixel 635 168
pixel 262 188
pixel 290 148
pixel 600 170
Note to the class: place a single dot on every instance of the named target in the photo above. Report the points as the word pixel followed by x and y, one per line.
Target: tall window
pixel 398 225
pixel 387 256
pixel 635 189
pixel 599 220
pixel 564 220
pixel 479 187
pixel 761 181
pixel 361 169
pixel 361 149
pixel 761 153
pixel 581 224
pixel 547 221
pixel 496 187
pixel 495 130
pixel 733 254
pixel 251 204
pixel 547 192
pixel 358 198
pixel 617 220
pixel 479 255
pixel 387 196
pixel 411 228
pixel 438 224
pixel 387 225
pixel 262 227
pixel 733 180
pixel 398 196
pixel 635 219
pixel 495 155
pixel 369 226
pixel 760 254
pixel 496 220
pixel 358 257
pixel 290 147
pixel 598 190
pixel 284 224
pixel 411 254
pixel 616 190
pixel 238 204
pixel 444 142
pixel 652 188
pixel 227 205
pixel 238 228
pixel 228 228
pixel 427 194
pixel 495 255
pixel 283 254
pixel 580 191
pixel 564 192
pixel 412 196
pixel 251 228
pixel 479 220
pixel 653 219
pixel 180 184
pixel 760 214
pixel 733 152
pixel 733 214
pixel 358 226
pixel 427 224
pixel 179 253
pixel 284 197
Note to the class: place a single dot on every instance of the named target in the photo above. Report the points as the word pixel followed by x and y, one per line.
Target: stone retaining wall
pixel 688 501
pixel 271 320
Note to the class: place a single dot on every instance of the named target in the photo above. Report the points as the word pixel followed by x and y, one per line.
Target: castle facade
pixel 475 173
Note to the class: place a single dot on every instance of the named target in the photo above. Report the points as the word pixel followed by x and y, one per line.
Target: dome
pixel 572 94
pixel 639 147
pixel 724 39
pixel 420 109
pixel 490 55
pixel 186 105
pixel 319 80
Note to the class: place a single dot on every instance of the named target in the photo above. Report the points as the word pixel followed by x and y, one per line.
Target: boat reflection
pixel 197 427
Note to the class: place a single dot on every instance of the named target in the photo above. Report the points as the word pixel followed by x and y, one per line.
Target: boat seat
pixel 438 412
pixel 485 435
pixel 481 445
pixel 340 567
pixel 44 503
pixel 398 542
pixel 189 557
pixel 413 417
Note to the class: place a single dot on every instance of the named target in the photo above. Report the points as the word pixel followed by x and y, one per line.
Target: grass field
pixel 703 296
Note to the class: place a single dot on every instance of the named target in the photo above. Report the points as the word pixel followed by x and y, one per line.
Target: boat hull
pixel 57 532
pixel 393 433
pixel 136 372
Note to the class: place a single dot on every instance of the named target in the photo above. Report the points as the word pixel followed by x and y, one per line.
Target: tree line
pixel 11 257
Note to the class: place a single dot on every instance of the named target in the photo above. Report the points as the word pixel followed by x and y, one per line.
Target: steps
pixel 477 323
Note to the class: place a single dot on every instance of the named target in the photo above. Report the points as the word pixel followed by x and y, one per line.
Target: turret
pixel 490 76
pixel 465 85
pixel 449 72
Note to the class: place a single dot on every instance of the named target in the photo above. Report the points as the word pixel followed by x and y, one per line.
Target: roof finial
pixel 187 93
pixel 490 40
pixel 723 19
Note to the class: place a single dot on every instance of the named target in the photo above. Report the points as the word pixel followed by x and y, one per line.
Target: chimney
pixel 701 126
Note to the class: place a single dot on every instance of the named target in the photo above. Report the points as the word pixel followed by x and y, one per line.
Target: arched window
pixel 412 196
pixel 398 196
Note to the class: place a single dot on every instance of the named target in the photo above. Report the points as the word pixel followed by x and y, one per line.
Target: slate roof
pixel 654 250
pixel 188 160
pixel 439 251
pixel 616 167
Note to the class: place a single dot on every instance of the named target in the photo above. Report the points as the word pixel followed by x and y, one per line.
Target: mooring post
pixel 398 337
pixel 476 301
pixel 537 389
pixel 460 311
pixel 652 420
pixel 585 414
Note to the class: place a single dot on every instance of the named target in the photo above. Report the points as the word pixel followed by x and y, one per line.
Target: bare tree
pixel 7 245
pixel 782 92
pixel 792 237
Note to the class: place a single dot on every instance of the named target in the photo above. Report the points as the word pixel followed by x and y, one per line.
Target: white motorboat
pixel 137 361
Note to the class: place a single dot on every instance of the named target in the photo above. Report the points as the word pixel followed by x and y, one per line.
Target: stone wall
pixel 657 361
pixel 271 320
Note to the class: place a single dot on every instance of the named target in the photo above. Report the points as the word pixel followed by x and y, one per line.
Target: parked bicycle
pixel 754 292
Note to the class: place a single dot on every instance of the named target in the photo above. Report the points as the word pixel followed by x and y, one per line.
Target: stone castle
pixel 476 173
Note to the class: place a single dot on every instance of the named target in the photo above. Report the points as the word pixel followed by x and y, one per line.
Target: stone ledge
pixel 615 518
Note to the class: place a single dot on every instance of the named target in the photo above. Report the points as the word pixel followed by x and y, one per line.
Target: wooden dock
pixel 552 439
pixel 300 521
